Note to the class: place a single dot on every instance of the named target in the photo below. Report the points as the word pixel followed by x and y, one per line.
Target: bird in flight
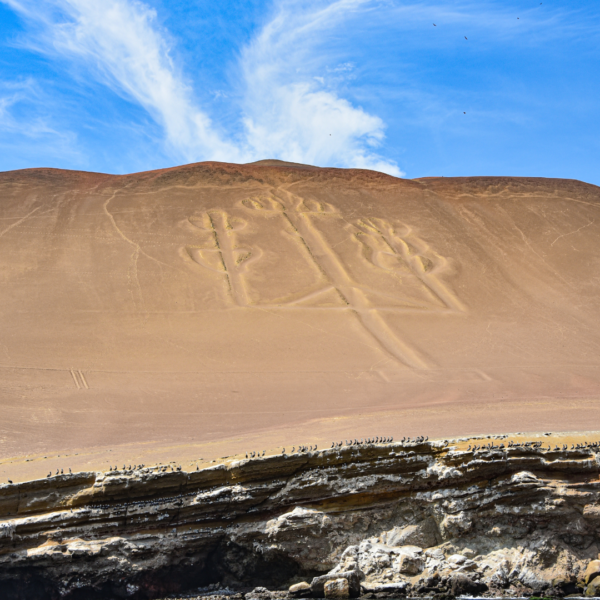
pixel 434 25
pixel 466 38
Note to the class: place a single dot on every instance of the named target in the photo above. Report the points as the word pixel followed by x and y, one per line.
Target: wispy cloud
pixel 297 78
pixel 286 112
pixel 290 108
pixel 121 42
pixel 26 127
pixel 14 95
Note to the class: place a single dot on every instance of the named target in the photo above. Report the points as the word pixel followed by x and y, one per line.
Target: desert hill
pixel 272 303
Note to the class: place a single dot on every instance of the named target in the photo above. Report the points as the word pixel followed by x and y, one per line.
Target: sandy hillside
pixel 221 306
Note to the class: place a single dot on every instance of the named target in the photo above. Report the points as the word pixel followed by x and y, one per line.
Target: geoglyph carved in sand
pixel 283 252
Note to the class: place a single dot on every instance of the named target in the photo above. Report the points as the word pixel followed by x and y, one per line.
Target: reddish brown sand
pixel 211 309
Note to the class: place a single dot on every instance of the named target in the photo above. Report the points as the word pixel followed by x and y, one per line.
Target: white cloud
pixel 16 101
pixel 286 111
pixel 289 111
pixel 121 42
pixel 27 129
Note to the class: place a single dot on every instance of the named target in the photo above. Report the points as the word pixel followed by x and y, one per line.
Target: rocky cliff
pixel 415 518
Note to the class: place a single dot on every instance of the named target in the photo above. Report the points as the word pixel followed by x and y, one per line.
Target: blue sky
pixel 128 85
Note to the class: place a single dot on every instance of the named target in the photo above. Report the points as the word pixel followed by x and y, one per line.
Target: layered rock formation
pixel 416 518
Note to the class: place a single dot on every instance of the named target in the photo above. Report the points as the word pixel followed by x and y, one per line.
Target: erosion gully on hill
pixel 418 518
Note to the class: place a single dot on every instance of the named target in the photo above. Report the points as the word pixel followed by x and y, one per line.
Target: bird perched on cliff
pixel 49 474
pixel 61 472
pixel 9 481
pixel 57 471
pixel 69 469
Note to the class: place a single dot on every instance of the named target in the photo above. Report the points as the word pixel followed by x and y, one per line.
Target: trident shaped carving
pixel 392 248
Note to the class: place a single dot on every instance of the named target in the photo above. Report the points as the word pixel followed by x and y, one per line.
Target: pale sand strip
pixel 534 419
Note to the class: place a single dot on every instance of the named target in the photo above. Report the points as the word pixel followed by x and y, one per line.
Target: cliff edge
pixel 416 517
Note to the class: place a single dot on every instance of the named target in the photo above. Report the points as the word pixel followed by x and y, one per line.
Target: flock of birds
pixel 131 468
pixel 535 445
pixel 466 38
pixel 254 454
pixel 539 445
pixel 375 440
pixel 355 442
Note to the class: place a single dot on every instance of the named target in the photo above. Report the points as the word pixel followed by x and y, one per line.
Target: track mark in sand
pixel 18 222
pixel 79 380
pixel 572 232
pixel 135 256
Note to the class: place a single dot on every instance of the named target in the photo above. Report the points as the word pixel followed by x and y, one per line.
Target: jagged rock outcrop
pixel 389 518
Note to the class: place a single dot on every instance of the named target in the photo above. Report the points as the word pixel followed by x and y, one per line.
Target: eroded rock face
pixel 418 518
pixel 337 588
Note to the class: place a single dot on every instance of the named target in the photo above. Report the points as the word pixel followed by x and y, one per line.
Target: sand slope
pixel 213 301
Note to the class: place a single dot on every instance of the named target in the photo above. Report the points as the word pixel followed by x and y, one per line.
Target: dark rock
pixel 565 586
pixel 464 586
